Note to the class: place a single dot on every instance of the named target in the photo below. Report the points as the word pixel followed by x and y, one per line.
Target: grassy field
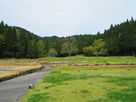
pixel 93 60
pixel 87 83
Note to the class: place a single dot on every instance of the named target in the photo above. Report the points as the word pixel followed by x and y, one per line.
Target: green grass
pixel 93 60
pixel 85 85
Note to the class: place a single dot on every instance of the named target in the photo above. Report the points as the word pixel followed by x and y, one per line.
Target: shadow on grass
pixel 123 81
pixel 84 91
pixel 38 97
pixel 118 97
pixel 127 94
pixel 56 77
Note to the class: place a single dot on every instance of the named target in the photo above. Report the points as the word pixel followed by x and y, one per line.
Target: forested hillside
pixel 121 39
pixel 118 40
pixel 16 42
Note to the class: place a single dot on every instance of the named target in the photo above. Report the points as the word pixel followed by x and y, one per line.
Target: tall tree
pixel 41 48
pixel 69 46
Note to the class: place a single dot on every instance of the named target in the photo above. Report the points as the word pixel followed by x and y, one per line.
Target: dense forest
pixel 118 40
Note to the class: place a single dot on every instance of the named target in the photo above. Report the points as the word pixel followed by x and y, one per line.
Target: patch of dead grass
pixel 13 73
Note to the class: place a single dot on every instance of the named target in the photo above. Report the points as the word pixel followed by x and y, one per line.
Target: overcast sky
pixel 66 17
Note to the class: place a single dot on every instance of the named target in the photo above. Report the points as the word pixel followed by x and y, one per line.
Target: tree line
pixel 118 40
pixel 17 42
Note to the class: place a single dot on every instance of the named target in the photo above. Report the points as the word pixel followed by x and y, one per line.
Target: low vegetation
pixel 87 83
pixel 92 60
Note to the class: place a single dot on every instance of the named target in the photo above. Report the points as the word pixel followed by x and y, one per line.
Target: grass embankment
pixel 93 60
pixel 87 61
pixel 11 72
pixel 87 84
pixel 17 62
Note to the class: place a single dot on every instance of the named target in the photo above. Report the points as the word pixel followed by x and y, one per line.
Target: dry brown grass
pixel 17 62
pixel 14 62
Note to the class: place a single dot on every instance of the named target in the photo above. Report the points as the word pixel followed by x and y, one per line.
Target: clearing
pixel 83 82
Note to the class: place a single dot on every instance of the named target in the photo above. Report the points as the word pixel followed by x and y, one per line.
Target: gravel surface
pixel 4 72
pixel 14 67
pixel 14 89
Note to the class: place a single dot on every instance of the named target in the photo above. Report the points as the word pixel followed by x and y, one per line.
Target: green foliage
pixel 88 51
pixel 118 40
pixel 2 43
pixel 51 53
pixel 1 39
pixel 98 48
pixel 103 52
pixel 19 43
pixel 69 46
pixel 41 48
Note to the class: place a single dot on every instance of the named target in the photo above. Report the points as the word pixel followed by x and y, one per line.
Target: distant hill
pixel 19 43
pixel 121 39
pixel 118 40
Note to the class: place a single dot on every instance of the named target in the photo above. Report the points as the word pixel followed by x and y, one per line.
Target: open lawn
pixel 87 83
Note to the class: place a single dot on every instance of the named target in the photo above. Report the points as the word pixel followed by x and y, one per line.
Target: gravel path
pixel 12 90
pixel 14 67
pixel 4 72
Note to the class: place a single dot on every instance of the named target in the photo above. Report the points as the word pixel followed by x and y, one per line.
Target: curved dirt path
pixel 14 89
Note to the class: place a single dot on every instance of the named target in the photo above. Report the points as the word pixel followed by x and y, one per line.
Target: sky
pixel 66 17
